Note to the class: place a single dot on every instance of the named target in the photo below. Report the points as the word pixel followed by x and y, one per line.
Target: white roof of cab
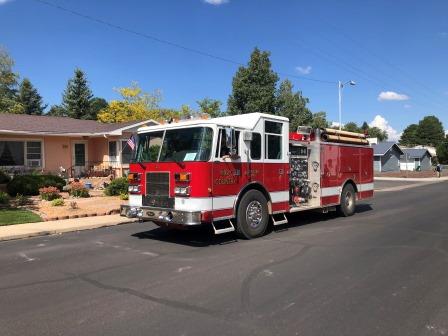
pixel 247 121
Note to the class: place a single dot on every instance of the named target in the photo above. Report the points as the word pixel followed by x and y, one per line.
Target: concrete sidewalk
pixel 18 231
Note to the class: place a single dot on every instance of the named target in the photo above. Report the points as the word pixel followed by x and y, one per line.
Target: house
pixel 386 156
pixel 61 144
pixel 413 158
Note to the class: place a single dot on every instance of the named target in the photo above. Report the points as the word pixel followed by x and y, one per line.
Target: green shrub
pixel 52 181
pixel 4 198
pixel 57 202
pixel 49 193
pixel 117 186
pixel 77 189
pixel 30 184
pixel 4 178
pixel 124 197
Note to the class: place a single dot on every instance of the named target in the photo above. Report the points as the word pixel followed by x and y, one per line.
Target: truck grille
pixel 158 190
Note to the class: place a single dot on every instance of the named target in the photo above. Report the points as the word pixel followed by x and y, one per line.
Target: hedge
pixel 29 185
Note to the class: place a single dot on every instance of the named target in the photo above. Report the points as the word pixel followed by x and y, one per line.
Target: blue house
pixel 415 158
pixel 386 156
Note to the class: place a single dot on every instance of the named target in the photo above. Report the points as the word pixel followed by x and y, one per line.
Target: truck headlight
pixel 182 191
pixel 134 188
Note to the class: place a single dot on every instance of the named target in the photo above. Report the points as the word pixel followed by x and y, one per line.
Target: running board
pixel 284 220
pixel 230 228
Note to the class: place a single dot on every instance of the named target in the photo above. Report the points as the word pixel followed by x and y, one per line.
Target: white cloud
pixel 407 106
pixel 212 2
pixel 304 70
pixel 443 34
pixel 391 95
pixel 383 124
pixel 2 2
pixel 335 124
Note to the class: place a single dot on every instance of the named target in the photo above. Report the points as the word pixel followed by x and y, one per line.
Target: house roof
pixel 382 148
pixel 32 124
pixel 416 153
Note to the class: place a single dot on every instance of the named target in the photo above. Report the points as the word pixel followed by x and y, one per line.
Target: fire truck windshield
pixel 175 145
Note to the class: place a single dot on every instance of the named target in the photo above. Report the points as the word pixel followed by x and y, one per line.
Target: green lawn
pixel 17 216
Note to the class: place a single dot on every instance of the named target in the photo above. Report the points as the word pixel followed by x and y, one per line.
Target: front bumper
pixel 168 216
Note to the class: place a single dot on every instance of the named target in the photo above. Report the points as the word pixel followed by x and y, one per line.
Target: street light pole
pixel 340 87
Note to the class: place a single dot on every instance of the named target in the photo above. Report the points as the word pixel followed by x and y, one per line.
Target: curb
pixel 63 230
pixel 412 179
pixel 93 214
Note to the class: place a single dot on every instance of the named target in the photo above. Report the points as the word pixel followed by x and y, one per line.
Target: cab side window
pixel 221 145
pixel 273 140
pixel 255 146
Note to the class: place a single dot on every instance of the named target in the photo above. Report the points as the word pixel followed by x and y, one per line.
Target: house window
pixel 12 153
pixel 126 152
pixel 112 150
pixel 34 153
pixel 20 153
pixel 273 141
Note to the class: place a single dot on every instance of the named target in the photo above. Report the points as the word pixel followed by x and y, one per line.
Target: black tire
pixel 348 201
pixel 252 215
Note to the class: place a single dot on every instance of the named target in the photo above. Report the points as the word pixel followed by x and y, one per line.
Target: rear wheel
pixel 252 215
pixel 348 201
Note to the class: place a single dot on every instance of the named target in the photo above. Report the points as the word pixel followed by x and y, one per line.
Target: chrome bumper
pixel 168 216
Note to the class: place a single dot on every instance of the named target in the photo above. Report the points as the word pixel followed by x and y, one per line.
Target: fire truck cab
pixel 244 172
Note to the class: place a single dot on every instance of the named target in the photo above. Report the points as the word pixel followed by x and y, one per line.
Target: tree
pixel 410 136
pixel 319 120
pixel 253 87
pixel 96 105
pixel 30 99
pixel 134 105
pixel 375 132
pixel 352 127
pixel 365 127
pixel 430 131
pixel 77 96
pixel 8 85
pixel 442 151
pixel 292 106
pixel 57 111
pixel 212 107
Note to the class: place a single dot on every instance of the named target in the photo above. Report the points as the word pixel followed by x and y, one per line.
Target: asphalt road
pixel 383 271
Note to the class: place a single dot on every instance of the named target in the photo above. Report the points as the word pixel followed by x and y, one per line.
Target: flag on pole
pixel 131 142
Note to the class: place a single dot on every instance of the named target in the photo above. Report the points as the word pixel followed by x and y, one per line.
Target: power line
pixel 167 42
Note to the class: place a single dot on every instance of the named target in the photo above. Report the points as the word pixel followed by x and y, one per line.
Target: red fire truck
pixel 244 172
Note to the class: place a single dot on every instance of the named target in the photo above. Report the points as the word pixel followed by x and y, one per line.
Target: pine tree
pixel 430 131
pixel 254 86
pixel 30 99
pixel 292 106
pixel 410 136
pixel 77 97
pixel 57 111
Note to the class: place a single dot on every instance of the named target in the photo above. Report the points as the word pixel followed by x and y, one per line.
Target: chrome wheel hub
pixel 348 200
pixel 254 214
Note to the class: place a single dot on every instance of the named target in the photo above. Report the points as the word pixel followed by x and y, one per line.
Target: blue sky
pixel 396 51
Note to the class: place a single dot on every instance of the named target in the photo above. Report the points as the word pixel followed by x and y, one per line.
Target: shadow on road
pixel 203 236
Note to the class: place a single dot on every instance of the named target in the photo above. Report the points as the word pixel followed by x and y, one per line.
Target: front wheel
pixel 252 215
pixel 348 201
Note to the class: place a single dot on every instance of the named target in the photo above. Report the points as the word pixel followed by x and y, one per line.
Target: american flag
pixel 131 142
